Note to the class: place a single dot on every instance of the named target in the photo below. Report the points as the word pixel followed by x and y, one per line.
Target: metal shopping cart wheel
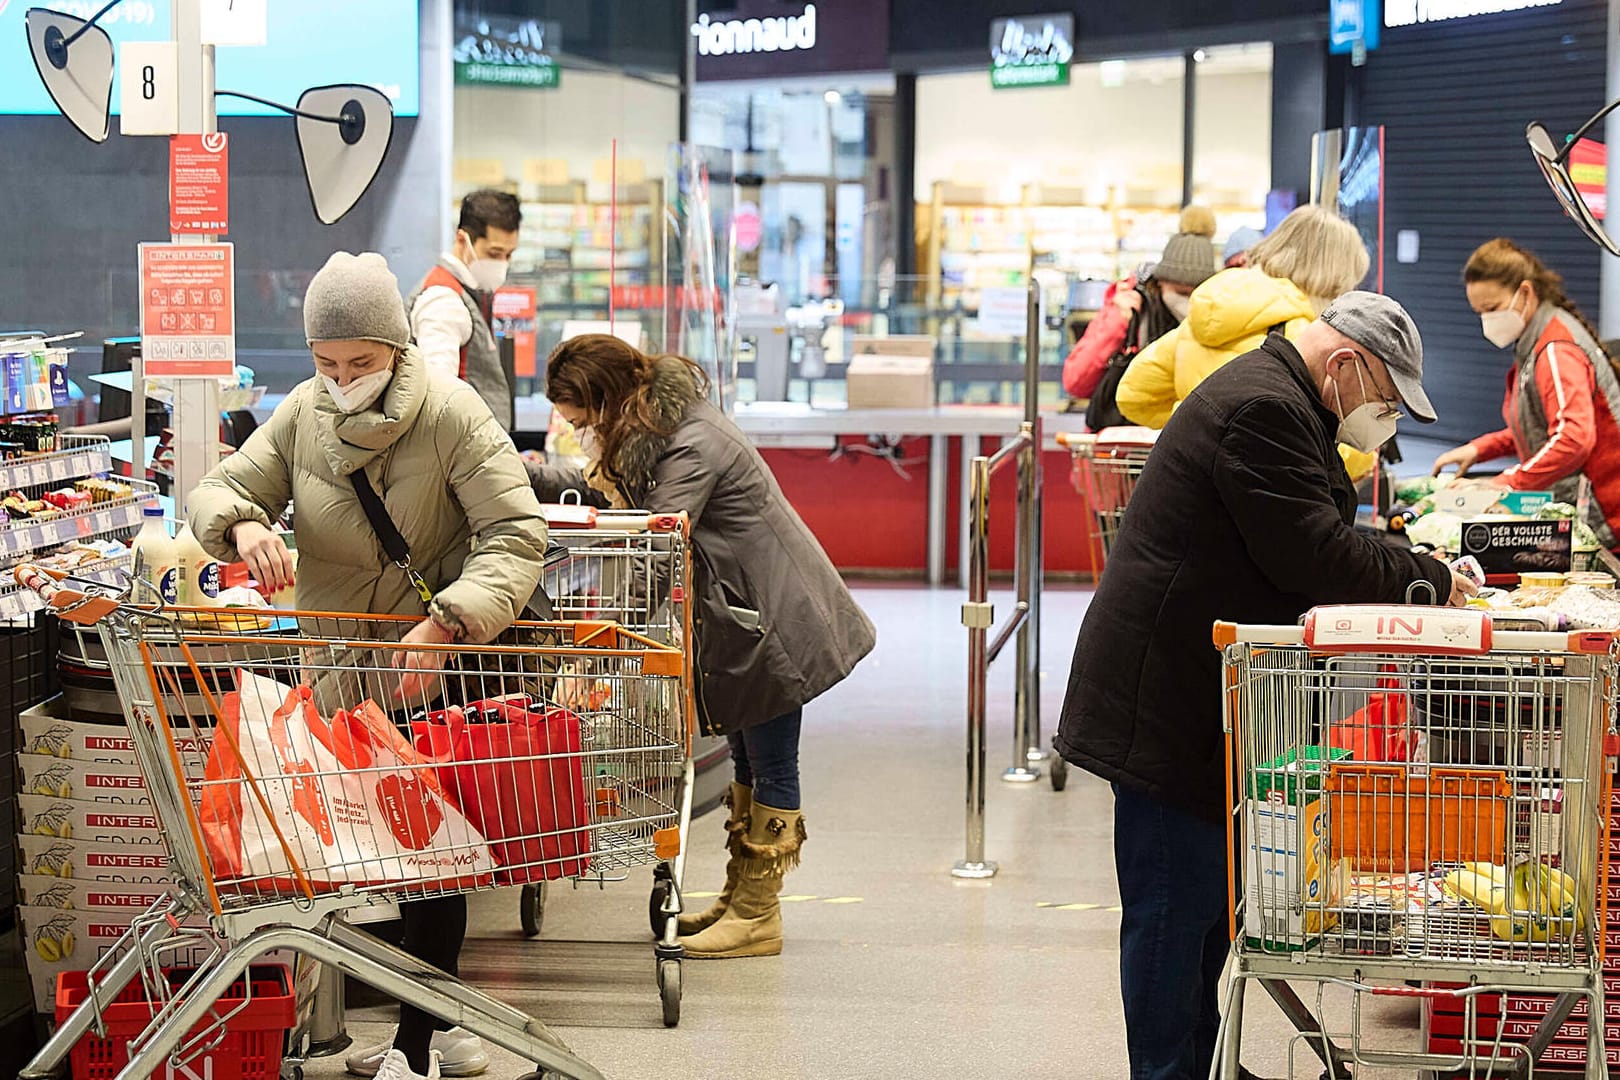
pixel 532 909
pixel 669 988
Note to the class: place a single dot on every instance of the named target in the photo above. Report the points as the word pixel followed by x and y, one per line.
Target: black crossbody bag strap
pixel 394 545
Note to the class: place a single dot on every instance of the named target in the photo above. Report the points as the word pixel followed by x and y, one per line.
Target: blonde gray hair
pixel 1317 250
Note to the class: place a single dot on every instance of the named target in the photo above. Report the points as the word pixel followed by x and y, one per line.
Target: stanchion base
pixel 1020 774
pixel 1037 755
pixel 974 870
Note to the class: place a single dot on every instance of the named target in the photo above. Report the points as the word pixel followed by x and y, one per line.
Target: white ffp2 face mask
pixel 588 443
pixel 487 274
pixel 1502 328
pixel 1178 304
pixel 361 392
pixel 1369 425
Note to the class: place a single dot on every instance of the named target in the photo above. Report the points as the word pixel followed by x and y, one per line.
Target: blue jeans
pixel 765 757
pixel 1174 934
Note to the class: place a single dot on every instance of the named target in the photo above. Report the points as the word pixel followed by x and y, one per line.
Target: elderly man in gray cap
pixel 1244 513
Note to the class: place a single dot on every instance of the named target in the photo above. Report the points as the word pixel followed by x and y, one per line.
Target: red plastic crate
pixel 253 1043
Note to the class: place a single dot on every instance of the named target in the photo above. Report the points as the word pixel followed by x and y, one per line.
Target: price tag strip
pixel 23 539
pixel 57 468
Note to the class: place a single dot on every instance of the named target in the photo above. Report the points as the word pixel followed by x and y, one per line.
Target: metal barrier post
pixel 977 615
pixel 1027 755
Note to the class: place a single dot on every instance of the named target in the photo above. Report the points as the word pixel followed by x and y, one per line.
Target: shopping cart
pixel 555 753
pixel 629 568
pixel 1104 470
pixel 1419 807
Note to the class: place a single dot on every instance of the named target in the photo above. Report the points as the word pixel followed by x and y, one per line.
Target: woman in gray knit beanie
pixel 455 489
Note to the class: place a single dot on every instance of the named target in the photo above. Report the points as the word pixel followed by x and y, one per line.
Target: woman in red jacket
pixel 1157 301
pixel 1562 407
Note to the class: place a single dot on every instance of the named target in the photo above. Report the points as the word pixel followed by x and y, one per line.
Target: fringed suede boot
pixel 752 922
pixel 740 800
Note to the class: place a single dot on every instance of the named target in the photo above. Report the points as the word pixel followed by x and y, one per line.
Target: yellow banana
pixel 66 943
pixel 1492 889
pixel 1561 902
pixel 48 949
pixel 66 831
pixel 66 790
pixel 44 868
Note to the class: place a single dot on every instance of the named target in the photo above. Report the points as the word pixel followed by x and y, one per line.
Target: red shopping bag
pixel 1379 730
pixel 516 769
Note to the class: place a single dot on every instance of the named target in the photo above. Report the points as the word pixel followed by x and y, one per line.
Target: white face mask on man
pixel 361 391
pixel 487 274
pixel 1369 425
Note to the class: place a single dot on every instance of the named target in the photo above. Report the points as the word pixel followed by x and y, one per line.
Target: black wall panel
pixel 1454 98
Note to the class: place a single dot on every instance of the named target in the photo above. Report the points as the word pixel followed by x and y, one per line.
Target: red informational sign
pixel 188 310
pixel 1589 168
pixel 199 184
pixel 514 317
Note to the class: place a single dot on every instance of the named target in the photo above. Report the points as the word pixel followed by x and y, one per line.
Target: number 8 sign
pixel 149 88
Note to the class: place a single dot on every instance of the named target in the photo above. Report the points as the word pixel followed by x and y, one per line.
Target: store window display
pixel 1562 404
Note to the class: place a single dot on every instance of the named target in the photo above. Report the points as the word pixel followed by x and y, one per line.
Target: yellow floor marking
pixel 699 895
pixel 798 898
pixel 1054 906
pixel 845 900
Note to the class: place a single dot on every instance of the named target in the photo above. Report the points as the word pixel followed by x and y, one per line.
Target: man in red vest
pixel 451 310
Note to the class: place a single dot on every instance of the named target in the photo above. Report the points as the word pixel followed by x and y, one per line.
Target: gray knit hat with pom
pixel 355 297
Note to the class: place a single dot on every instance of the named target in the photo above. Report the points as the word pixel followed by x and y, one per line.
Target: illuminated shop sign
pixel 782 33
pixel 1413 12
pixel 1031 50
pixel 506 52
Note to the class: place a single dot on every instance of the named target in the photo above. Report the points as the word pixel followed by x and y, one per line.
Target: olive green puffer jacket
pixel 450 477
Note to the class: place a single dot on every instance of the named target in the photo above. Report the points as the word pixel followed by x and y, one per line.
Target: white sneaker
pixel 394 1067
pixel 460 1053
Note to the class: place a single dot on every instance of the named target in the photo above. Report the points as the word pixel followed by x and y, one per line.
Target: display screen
pixel 310 43
pixel 1361 195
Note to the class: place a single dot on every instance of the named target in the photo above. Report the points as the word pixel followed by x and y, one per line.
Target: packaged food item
pixel 1469 567
pixel 1543 579
pixel 200 576
pixel 1592 580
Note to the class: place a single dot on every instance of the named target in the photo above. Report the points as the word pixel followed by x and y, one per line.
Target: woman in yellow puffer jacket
pixel 1293 274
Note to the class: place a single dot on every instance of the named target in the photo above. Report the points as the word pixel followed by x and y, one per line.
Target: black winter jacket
pixel 1243 513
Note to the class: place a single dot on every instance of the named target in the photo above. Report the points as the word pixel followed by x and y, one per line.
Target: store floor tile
pixel 892 969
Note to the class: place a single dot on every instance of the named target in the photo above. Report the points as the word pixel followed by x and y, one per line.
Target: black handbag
pixel 1103 411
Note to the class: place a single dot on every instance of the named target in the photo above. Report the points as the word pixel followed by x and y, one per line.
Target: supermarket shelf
pixel 40 469
pixel 24 538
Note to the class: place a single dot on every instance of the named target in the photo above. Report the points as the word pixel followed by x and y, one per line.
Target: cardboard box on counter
pixel 1507 547
pixel 93 822
pixel 891 372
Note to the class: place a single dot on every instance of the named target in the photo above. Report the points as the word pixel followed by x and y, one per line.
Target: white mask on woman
pixel 1502 328
pixel 361 391
pixel 588 444
pixel 1178 304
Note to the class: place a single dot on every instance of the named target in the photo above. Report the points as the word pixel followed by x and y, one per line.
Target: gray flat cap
pixel 1382 327
pixel 355 297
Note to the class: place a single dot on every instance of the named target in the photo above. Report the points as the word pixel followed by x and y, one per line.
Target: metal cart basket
pixel 1419 806
pixel 1104 470
pixel 630 568
pixel 303 765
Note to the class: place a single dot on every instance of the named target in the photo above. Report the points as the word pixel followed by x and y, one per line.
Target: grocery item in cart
pixel 1292 889
pixel 517 772
pixel 348 802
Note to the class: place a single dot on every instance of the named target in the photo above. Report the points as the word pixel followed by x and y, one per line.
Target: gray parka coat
pixel 754 561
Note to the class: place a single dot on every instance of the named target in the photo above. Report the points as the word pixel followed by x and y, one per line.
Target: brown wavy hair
pixel 1507 264
pixel 613 382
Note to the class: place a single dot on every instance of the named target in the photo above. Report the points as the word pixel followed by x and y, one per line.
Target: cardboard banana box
pixel 46 731
pixel 92 781
pixel 57 940
pixel 77 894
pixel 93 822
pixel 49 856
